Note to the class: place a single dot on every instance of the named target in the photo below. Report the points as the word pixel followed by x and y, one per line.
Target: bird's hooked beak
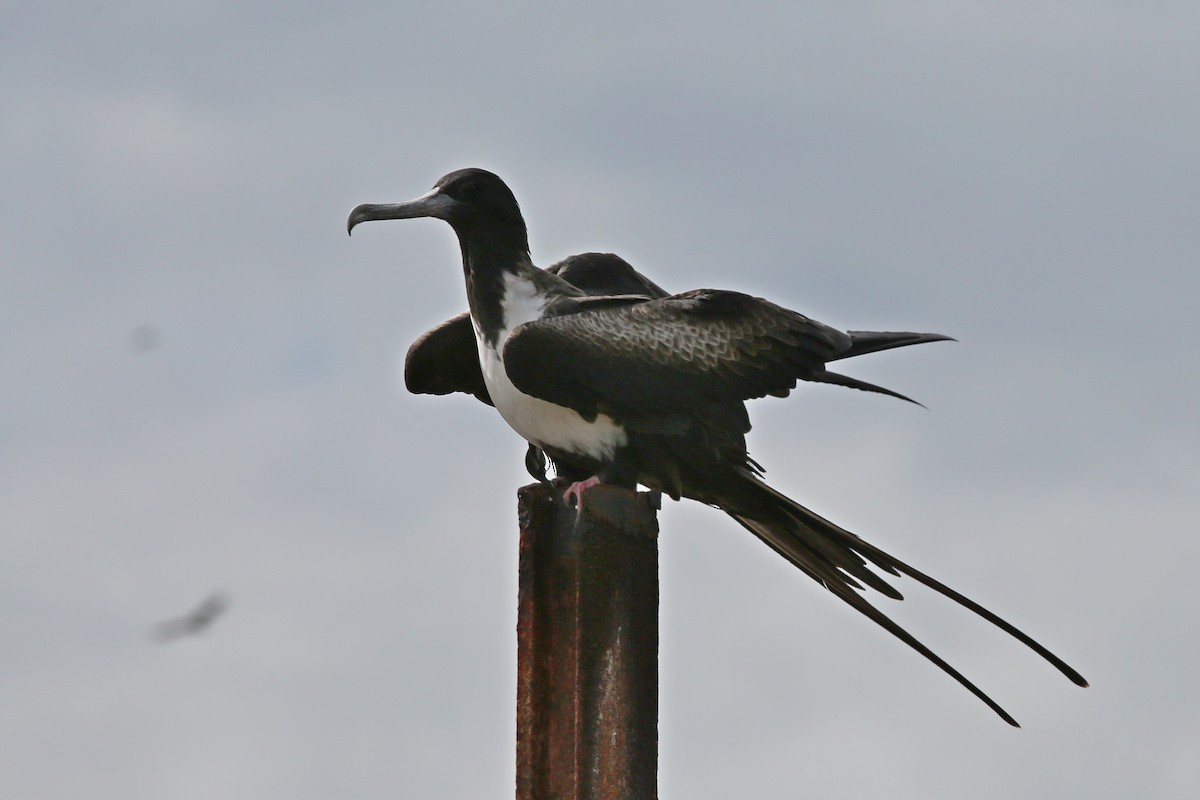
pixel 433 204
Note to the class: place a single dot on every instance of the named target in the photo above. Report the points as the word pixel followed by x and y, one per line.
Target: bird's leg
pixel 576 490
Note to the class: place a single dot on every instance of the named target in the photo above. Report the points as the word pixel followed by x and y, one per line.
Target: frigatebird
pixel 630 389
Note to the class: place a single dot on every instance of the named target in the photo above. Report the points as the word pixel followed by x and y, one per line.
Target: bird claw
pixel 575 492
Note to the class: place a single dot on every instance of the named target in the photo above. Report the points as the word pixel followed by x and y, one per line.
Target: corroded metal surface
pixel 587 646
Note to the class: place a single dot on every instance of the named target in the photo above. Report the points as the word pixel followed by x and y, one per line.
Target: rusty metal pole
pixel 587 646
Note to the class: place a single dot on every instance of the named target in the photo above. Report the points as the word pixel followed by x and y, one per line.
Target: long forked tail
pixel 841 562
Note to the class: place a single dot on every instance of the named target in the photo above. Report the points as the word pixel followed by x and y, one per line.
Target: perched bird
pixel 196 621
pixel 634 388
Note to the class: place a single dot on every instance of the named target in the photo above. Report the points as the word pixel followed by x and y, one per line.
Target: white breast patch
pixel 539 422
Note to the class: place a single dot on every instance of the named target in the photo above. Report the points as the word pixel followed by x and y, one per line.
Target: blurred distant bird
pixel 145 338
pixel 195 621
pixel 639 388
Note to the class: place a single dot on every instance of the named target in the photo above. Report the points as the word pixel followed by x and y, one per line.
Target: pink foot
pixel 575 491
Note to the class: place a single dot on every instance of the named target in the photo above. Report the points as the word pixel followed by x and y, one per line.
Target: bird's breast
pixel 540 422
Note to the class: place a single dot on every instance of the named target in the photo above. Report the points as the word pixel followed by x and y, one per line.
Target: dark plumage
pixel 445 358
pixel 611 377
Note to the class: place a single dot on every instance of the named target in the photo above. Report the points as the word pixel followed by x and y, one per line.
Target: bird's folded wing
pixel 669 355
pixel 445 359
pixel 604 274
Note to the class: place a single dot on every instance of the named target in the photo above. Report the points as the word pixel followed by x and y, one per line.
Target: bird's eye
pixel 464 190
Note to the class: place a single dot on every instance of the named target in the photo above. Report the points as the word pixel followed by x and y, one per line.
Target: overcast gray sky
pixel 201 386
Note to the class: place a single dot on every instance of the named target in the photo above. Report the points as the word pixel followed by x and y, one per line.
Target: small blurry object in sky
pixel 145 338
pixel 194 622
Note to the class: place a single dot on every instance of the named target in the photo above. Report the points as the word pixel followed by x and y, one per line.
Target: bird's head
pixel 471 200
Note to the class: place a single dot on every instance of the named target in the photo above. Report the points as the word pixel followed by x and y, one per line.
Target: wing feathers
pixel 665 355
pixel 445 359
pixel 863 342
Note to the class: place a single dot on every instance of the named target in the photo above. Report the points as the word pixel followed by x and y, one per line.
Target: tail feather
pixel 863 342
pixel 840 561
pixel 824 376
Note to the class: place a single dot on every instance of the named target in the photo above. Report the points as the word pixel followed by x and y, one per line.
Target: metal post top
pixel 620 510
